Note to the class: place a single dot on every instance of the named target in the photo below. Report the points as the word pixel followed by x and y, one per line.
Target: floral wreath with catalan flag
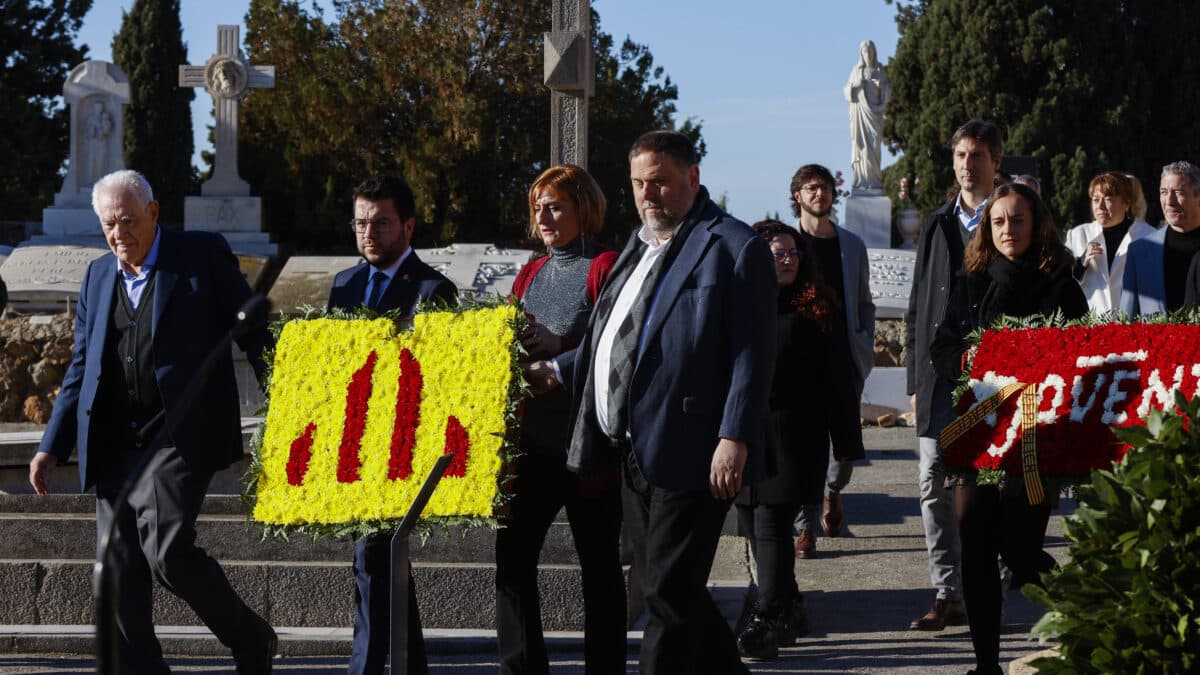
pixel 359 409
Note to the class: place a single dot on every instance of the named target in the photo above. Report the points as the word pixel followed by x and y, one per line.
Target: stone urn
pixel 908 222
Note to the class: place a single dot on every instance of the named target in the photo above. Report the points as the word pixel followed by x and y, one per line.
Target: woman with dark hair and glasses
pixel 812 402
pixel 1016 266
pixel 558 291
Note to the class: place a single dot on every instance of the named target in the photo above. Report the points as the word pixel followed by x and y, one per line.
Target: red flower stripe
pixel 458 443
pixel 358 394
pixel 298 456
pixel 1090 378
pixel 408 417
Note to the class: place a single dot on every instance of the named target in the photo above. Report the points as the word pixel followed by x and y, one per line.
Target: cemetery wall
pixel 34 353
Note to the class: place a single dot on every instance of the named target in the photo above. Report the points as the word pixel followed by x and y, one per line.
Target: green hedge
pixel 1127 601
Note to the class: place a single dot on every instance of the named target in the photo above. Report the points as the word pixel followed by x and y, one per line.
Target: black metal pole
pixel 400 567
pixel 105 584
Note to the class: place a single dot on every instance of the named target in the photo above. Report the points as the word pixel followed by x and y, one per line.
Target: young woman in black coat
pixel 812 402
pixel 1015 265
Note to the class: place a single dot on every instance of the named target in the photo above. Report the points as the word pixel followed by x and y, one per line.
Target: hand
pixel 912 402
pixel 537 339
pixel 540 376
pixel 39 468
pixel 1094 252
pixel 725 476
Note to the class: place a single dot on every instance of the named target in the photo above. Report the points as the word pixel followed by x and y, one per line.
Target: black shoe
pixel 994 670
pixel 758 640
pixel 793 624
pixel 254 658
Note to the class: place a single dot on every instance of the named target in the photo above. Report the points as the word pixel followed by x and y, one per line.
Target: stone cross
pixel 568 72
pixel 228 78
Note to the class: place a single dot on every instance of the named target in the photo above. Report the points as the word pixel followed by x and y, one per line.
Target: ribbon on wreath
pixel 1029 403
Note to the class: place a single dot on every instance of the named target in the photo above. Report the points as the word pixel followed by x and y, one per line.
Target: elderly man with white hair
pixel 147 316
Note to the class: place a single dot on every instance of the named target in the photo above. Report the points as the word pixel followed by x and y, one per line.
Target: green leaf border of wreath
pixel 509 451
pixel 1056 320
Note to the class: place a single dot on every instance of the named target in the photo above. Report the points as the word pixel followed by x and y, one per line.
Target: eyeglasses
pixel 814 188
pixel 785 253
pixel 380 226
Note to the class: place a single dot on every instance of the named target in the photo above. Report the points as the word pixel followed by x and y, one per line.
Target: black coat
pixel 939 258
pixel 1017 289
pixel 813 403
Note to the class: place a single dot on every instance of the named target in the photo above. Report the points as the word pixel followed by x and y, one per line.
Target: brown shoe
pixel 943 613
pixel 806 545
pixel 832 517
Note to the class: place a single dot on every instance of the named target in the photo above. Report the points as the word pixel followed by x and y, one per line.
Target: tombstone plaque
pixel 891 280
pixel 46 278
pixel 95 92
pixel 478 269
pixel 305 281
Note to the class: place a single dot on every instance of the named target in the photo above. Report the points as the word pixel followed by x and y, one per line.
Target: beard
pixel 661 224
pixel 818 213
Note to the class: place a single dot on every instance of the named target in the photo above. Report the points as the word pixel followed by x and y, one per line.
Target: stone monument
pixel 568 72
pixel 225 204
pixel 46 278
pixel 94 92
pixel 868 209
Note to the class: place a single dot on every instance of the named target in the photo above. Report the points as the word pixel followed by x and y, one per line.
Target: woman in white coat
pixel 1099 246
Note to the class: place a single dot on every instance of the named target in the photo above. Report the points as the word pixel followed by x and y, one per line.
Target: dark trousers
pixel 768 527
pixel 675 536
pixel 543 486
pixel 998 522
pixel 156 539
pixel 372 611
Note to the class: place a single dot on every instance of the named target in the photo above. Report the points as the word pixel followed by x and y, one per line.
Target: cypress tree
pixel 158 120
pixel 37 50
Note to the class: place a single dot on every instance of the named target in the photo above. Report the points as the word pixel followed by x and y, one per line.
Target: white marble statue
pixel 867 91
pixel 99 126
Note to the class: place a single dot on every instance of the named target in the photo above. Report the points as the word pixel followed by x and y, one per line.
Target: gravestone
pixel 46 278
pixel 869 215
pixel 94 92
pixel 891 273
pixel 481 270
pixel 225 204
pixel 306 280
pixel 476 269
pixel 568 72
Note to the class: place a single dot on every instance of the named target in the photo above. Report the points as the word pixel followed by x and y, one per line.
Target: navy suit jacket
pixel 197 292
pixel 414 283
pixel 705 364
pixel 1143 287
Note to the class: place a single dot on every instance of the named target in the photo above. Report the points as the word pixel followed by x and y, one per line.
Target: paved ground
pixel 861 591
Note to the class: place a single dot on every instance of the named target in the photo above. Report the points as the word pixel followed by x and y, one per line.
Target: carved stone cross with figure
pixel 228 78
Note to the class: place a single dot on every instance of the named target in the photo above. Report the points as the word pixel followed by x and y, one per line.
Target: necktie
pixel 625 353
pixel 377 281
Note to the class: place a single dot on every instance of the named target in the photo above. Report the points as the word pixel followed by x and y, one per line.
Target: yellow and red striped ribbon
pixel 1029 402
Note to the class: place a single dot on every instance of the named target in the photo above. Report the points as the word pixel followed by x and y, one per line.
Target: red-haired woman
pixel 558 290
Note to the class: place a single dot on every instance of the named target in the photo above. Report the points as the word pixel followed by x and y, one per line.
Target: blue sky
pixel 764 77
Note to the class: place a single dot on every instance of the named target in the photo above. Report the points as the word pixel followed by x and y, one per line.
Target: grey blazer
pixel 860 306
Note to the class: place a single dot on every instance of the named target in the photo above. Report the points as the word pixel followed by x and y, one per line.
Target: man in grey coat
pixel 977 149
pixel 841 258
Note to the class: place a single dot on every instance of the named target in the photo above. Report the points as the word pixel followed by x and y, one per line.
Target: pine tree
pixel 158 119
pixel 37 51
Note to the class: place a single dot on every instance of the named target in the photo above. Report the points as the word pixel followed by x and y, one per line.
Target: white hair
pixel 118 182
pixel 1186 169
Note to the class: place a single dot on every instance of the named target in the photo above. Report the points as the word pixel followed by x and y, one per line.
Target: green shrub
pixel 1127 600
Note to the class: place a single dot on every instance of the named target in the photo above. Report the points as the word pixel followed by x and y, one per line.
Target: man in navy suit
pixel 1156 266
pixel 390 278
pixel 671 383
pixel 147 317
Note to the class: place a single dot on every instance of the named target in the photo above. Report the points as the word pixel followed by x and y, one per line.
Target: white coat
pixel 1102 285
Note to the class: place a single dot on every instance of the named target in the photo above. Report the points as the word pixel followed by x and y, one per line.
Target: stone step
pixel 293 641
pixel 319 593
pixel 38 536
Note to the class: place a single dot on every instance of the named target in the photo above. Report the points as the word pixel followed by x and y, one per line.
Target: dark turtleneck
pixel 557 296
